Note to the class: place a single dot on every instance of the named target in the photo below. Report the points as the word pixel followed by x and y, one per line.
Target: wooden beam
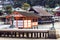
pixel 23 30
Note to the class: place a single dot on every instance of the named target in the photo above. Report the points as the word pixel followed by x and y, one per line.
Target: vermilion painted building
pixel 45 17
pixel 23 19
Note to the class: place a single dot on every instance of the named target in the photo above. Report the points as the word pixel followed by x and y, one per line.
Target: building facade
pixel 23 19
pixel 45 17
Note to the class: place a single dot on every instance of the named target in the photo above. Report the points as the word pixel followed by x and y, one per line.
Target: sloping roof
pixel 57 9
pixel 27 14
pixel 41 11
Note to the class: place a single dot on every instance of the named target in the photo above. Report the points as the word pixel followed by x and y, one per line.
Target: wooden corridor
pixel 26 33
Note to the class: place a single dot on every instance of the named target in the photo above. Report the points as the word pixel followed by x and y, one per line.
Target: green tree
pixel 8 9
pixel 1 12
pixel 25 6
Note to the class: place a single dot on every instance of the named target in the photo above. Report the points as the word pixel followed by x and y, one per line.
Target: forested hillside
pixel 46 3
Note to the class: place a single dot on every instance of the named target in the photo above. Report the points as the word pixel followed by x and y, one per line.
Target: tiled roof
pixel 41 11
pixel 27 14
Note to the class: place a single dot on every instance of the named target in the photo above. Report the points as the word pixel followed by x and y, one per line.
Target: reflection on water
pixel 48 26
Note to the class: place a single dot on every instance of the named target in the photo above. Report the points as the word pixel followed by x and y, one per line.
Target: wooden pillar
pixel 31 22
pixel 23 22
pixel 16 23
pixel 37 21
pixel 27 22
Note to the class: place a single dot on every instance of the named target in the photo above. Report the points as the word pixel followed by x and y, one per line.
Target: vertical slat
pixel 0 34
pixel 15 34
pixel 44 35
pixel 31 34
pixel 37 34
pixel 3 34
pixel 11 34
pixel 34 35
pixel 25 34
pixel 40 35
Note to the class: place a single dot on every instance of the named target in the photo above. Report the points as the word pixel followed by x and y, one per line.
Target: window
pixel 25 23
pixel 29 23
pixel 20 23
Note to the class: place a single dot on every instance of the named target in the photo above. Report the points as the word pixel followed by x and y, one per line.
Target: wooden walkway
pixel 26 33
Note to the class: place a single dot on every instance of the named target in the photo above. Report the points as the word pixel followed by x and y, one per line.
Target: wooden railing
pixel 25 33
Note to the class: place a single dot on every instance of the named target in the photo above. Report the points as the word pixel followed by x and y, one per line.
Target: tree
pixel 17 4
pixel 25 6
pixel 1 12
pixel 8 9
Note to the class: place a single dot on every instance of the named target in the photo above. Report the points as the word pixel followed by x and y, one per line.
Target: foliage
pixel 46 3
pixel 8 9
pixel 1 12
pixel 25 6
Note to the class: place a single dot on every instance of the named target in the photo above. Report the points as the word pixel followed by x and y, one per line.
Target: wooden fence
pixel 26 33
